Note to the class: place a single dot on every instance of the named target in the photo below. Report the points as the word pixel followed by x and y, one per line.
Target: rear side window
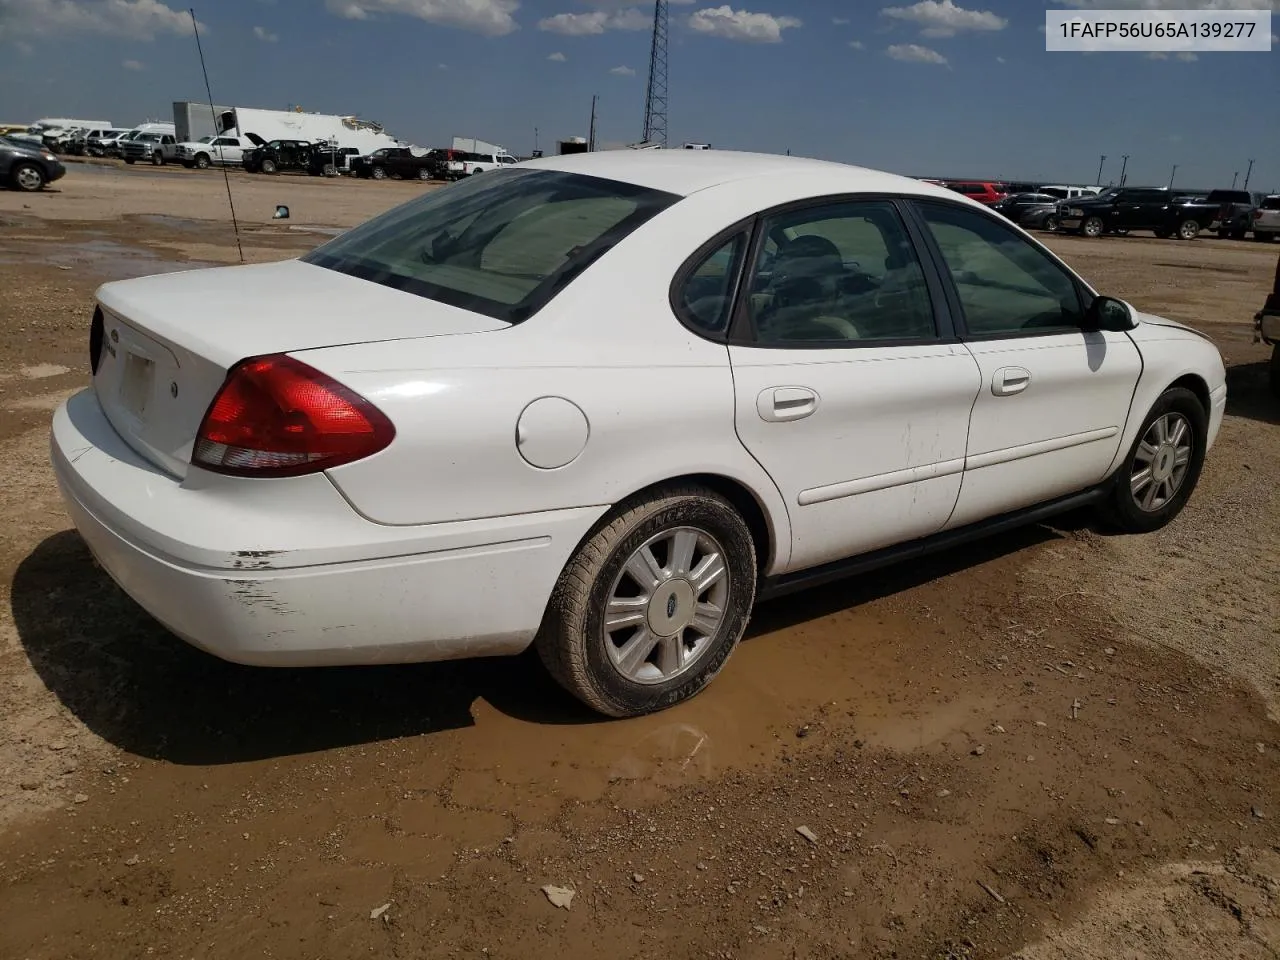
pixel 500 245
pixel 1229 196
pixel 838 275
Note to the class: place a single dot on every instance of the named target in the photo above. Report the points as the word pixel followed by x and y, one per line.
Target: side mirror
pixel 1109 314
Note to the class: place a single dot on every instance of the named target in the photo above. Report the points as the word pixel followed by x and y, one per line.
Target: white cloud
pixel 942 18
pixel 1185 56
pixel 490 17
pixel 1173 4
pixel 623 72
pixel 840 21
pixel 999 59
pixel 265 35
pixel 857 44
pixel 741 24
pixel 914 53
pixel 596 22
pixel 132 19
pixel 442 66
pixel 134 65
pixel 558 57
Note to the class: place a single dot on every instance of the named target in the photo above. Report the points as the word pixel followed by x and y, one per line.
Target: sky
pixel 959 88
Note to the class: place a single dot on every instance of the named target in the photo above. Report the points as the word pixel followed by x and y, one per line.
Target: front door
pixel 1054 399
pixel 847 388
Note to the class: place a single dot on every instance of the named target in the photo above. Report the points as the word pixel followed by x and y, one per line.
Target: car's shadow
pixel 138 687
pixel 1249 392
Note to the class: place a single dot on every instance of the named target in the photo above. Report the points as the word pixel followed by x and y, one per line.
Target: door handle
pixel 1010 380
pixel 780 404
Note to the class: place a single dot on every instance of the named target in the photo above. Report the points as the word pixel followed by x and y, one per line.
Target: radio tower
pixel 655 104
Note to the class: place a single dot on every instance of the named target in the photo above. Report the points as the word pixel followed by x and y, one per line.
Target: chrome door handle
pixel 1010 380
pixel 781 404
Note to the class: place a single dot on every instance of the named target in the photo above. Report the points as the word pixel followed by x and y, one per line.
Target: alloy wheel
pixel 1161 461
pixel 666 606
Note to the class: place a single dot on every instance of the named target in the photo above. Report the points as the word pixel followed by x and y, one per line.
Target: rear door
pixel 1054 397
pixel 849 387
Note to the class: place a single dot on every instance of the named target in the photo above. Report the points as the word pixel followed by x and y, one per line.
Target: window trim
pixel 742 332
pixel 1084 293
pixel 746 229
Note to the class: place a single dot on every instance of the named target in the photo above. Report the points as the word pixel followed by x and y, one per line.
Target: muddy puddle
pixel 107 259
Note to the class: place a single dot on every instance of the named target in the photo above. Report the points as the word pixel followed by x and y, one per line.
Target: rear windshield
pixel 1229 196
pixel 1271 203
pixel 502 244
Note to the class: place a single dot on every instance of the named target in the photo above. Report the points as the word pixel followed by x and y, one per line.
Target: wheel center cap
pixel 1162 466
pixel 671 607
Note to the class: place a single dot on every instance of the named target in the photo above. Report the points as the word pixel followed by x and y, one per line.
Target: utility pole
pixel 1173 174
pixel 1101 160
pixel 1246 175
pixel 535 141
pixel 591 130
pixel 1123 166
pixel 1233 179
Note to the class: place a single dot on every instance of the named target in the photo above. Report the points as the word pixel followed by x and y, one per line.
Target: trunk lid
pixel 168 341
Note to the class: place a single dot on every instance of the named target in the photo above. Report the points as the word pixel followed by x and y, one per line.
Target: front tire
pixel 1163 465
pixel 157 159
pixel 27 177
pixel 379 173
pixel 268 167
pixel 1092 227
pixel 653 603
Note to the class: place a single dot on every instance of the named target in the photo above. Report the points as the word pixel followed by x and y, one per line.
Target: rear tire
pixel 1274 370
pixel 1188 230
pixel 129 160
pixel 626 671
pixel 1156 461
pixel 1050 224
pixel 424 173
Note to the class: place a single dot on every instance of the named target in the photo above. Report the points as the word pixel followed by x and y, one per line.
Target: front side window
pixel 500 245
pixel 845 273
pixel 706 297
pixel 1006 286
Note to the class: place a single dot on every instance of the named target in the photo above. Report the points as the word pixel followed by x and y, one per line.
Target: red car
pixel 984 191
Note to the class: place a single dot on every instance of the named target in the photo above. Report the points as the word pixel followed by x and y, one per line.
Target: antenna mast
pixel 655 105
pixel 213 114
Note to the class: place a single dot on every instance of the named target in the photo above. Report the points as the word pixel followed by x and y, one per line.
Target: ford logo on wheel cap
pixel 671 606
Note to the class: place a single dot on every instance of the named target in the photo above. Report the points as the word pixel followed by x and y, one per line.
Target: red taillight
pixel 277 417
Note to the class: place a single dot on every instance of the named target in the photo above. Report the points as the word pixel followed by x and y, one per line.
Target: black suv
pixel 1234 212
pixel 398 163
pixel 1122 209
pixel 278 155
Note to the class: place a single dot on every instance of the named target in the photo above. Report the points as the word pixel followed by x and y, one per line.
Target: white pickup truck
pixel 222 149
pixel 1266 219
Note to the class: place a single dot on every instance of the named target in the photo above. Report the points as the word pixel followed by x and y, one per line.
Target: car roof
pixel 688 171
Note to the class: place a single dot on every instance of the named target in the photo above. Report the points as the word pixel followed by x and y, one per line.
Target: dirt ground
pixel 1055 744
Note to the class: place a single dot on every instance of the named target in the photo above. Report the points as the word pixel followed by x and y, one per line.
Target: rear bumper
pixel 285 573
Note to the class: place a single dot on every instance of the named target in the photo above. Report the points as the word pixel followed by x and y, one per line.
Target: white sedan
pixel 602 404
